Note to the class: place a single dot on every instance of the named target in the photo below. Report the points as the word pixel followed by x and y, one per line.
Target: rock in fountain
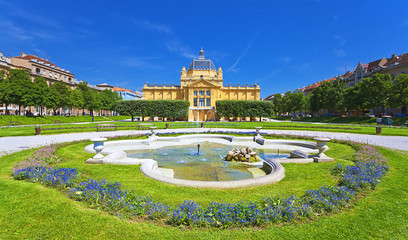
pixel 242 155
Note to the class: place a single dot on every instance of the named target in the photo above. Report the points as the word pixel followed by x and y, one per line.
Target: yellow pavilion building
pixel 201 85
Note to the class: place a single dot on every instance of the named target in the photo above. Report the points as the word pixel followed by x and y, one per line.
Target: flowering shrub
pixel 41 157
pixel 112 197
pixel 369 153
pixel 61 178
pixel 362 175
pixel 328 198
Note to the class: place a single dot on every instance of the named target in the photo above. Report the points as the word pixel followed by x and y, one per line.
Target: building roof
pixel 201 63
pixel 104 85
pixel 373 65
pixel 315 85
pixel 120 89
pixel 31 57
pixel 395 60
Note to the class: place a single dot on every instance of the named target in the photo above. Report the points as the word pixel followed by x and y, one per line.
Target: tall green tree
pixel 52 100
pixel 77 99
pixel 399 93
pixel 21 87
pixel 378 90
pixel 278 103
pixel 109 99
pixel 334 95
pixel 93 101
pixel 39 92
pixel 5 91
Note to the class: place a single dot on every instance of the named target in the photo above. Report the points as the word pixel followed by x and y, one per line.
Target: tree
pixel 377 89
pixel 5 91
pixel 77 99
pixel 52 100
pixel 21 87
pixel 39 92
pixel 278 103
pixel 333 95
pixel 399 93
pixel 85 91
pixel 93 101
pixel 109 99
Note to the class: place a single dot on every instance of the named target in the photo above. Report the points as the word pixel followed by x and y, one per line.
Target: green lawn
pixel 69 128
pixel 32 120
pixel 30 210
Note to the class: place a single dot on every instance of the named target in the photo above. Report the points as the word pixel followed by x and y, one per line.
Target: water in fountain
pixel 206 166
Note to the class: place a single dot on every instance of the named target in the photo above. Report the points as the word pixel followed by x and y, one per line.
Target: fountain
pixel 179 160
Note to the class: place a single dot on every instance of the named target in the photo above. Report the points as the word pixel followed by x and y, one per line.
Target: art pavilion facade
pixel 201 85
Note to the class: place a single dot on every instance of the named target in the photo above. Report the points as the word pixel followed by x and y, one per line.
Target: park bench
pixel 14 123
pixel 105 126
pixel 144 126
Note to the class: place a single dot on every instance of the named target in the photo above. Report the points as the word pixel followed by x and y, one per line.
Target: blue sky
pixel 282 45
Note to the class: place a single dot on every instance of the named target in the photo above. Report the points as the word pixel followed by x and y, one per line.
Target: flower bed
pixel 113 198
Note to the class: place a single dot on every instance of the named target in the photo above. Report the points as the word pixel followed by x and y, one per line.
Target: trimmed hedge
pixel 244 108
pixel 170 109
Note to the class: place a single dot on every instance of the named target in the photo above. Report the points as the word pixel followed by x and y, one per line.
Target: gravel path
pixel 15 144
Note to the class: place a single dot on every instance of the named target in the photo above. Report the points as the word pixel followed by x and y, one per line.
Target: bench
pixel 105 126
pixel 144 126
pixel 14 123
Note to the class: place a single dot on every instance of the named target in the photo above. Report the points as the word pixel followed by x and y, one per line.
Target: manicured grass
pixel 397 121
pixel 69 128
pixel 30 210
pixel 32 120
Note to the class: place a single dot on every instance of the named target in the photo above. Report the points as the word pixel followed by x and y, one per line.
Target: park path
pixel 15 144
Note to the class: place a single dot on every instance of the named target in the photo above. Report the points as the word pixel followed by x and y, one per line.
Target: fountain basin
pixel 119 151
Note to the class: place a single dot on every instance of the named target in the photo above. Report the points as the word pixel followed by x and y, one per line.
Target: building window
pixel 201 93
pixel 38 71
pixel 43 72
pixel 55 75
pixel 208 93
pixel 208 103
pixel 201 102
pixel 195 102
pixel 50 74
pixel 69 79
pixel 195 93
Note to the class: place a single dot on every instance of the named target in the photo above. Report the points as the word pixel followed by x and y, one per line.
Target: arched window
pixel 37 71
pixel 69 79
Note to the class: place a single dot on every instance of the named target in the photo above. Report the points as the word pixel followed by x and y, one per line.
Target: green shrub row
pixel 170 109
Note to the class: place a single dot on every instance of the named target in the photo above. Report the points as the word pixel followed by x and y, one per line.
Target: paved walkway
pixel 15 144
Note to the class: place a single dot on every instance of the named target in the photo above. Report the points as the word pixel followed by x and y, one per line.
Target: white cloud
pixel 249 45
pixel 174 45
pixel 286 60
pixel 339 53
pixel 154 27
pixel 340 39
pixel 268 76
